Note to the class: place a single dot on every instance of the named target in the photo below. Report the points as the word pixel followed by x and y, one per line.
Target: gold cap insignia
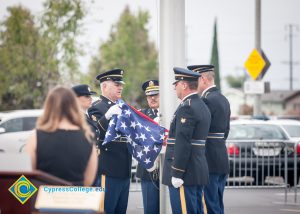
pixel 151 83
pixel 183 120
pixel 94 118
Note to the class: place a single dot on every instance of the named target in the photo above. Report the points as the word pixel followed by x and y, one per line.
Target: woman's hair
pixel 61 103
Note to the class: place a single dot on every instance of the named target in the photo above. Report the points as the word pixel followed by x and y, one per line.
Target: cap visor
pixel 175 82
pixel 92 93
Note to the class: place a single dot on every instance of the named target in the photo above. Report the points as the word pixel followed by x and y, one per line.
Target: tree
pixel 35 57
pixel 19 53
pixel 60 26
pixel 129 48
pixel 215 57
pixel 235 81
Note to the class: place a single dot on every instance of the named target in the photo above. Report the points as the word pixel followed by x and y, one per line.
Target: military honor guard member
pixel 216 152
pixel 84 93
pixel 185 169
pixel 114 160
pixel 150 180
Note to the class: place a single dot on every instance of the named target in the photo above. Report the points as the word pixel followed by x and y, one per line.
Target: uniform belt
pixel 120 139
pixel 215 135
pixel 171 141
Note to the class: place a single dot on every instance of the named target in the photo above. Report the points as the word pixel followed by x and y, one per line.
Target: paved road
pixel 239 201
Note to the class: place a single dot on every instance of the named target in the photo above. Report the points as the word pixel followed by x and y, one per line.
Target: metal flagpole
pixel 171 54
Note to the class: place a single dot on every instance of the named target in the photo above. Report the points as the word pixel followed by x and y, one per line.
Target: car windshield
pixel 255 131
pixel 292 130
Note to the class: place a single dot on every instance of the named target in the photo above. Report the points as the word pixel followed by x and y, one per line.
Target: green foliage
pixel 19 61
pixel 235 81
pixel 215 57
pixel 35 57
pixel 60 24
pixel 129 48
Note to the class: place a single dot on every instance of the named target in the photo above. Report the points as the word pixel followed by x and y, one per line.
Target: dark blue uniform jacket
pixel 216 152
pixel 185 154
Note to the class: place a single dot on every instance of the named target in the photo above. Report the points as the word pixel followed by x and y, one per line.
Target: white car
pixel 291 127
pixel 15 128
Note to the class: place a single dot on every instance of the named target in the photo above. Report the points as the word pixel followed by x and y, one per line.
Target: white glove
pixel 154 167
pixel 156 120
pixel 115 109
pixel 177 182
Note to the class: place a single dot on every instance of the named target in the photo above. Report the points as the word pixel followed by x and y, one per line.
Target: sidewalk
pixel 237 201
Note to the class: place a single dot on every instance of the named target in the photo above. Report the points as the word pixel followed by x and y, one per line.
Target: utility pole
pixel 290 27
pixel 257 99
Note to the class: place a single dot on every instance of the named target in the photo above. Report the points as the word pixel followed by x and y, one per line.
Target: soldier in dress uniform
pixel 216 152
pixel 114 170
pixel 150 180
pixel 185 169
pixel 83 93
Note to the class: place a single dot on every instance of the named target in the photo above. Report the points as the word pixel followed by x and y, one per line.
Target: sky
pixel 236 28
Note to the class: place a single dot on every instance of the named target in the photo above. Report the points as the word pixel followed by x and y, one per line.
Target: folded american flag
pixel 144 136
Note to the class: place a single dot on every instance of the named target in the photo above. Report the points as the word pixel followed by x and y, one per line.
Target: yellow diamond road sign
pixel 255 64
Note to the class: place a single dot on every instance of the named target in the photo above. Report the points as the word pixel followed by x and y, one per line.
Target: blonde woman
pixel 62 143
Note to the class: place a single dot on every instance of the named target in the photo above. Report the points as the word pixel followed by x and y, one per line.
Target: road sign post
pixel 257 65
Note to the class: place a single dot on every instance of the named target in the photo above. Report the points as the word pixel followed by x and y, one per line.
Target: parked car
pixel 15 128
pixel 291 128
pixel 290 117
pixel 260 149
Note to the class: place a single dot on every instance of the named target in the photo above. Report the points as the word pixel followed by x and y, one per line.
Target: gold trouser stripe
pixel 204 204
pixel 182 200
pixel 103 188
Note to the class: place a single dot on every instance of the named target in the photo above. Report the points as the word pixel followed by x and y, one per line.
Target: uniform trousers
pixel 213 193
pixel 184 199
pixel 116 193
pixel 150 192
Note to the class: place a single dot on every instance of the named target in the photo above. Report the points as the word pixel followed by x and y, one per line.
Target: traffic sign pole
pixel 257 99
pixel 257 63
